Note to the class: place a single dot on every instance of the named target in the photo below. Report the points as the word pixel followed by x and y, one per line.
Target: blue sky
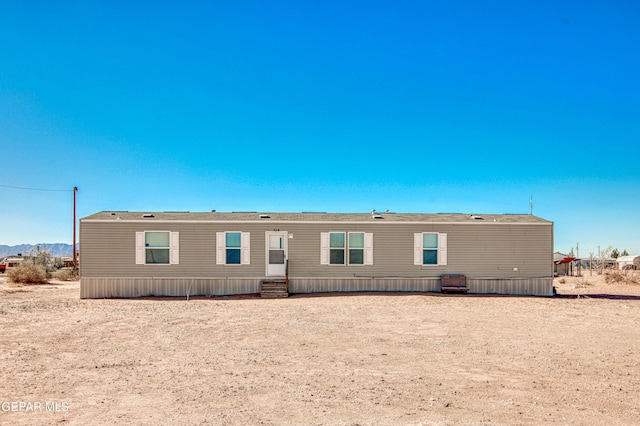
pixel 411 106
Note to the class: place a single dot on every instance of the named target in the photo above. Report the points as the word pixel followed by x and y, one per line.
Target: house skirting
pixel 542 286
pixel 95 288
pixel 511 286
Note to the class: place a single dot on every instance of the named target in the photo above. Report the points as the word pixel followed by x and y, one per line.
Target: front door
pixel 276 253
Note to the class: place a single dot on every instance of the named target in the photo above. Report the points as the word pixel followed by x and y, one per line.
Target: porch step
pixel 273 289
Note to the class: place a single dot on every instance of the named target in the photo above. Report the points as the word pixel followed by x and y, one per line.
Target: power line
pixel 36 189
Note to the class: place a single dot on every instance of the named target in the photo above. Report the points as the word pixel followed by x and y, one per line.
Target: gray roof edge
pixel 148 216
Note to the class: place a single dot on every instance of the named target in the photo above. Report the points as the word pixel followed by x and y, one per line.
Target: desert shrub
pixel 28 273
pixel 66 275
pixel 614 277
pixel 624 276
pixel 42 256
pixel 580 283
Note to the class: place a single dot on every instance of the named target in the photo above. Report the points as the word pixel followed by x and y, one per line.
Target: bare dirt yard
pixel 324 359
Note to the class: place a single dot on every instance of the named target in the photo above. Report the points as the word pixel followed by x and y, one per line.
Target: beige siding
pixel 496 258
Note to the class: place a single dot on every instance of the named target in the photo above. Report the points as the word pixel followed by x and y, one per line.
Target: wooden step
pixel 272 289
pixel 454 289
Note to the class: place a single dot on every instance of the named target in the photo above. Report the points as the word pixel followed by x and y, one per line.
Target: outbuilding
pixel 628 262
pixel 133 254
pixel 563 264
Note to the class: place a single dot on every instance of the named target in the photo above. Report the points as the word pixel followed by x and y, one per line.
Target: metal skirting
pixel 93 288
pixel 320 285
pixel 512 286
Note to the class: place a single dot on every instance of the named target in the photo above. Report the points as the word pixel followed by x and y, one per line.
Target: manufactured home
pixel 10 262
pixel 133 254
pixel 628 262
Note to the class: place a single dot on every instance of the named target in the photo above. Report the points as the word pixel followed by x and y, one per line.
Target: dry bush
pixel 562 281
pixel 66 275
pixel 621 277
pixel 28 273
pixel 580 283
pixel 614 278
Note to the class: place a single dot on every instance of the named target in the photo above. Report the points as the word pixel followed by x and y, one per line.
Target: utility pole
pixel 75 254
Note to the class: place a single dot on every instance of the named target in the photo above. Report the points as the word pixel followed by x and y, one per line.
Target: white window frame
pixel 221 248
pixel 344 249
pixel 441 250
pixel 349 248
pixel 174 248
pixel 325 249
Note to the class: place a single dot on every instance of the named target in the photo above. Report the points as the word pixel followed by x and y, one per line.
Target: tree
pixel 625 253
pixel 571 253
pixel 615 254
pixel 41 256
pixel 599 260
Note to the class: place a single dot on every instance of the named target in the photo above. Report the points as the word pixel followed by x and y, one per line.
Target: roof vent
pixel 265 216
pixel 148 215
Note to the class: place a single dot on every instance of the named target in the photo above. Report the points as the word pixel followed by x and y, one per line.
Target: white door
pixel 276 253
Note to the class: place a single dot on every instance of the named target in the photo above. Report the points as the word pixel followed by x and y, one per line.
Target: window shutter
pixel 324 248
pixel 245 256
pixel 140 251
pixel 417 248
pixel 174 248
pixel 220 247
pixel 368 248
pixel 442 249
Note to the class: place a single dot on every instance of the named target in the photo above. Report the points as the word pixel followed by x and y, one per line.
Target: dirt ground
pixel 325 359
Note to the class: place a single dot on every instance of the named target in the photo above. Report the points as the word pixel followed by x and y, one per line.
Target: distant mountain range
pixel 56 249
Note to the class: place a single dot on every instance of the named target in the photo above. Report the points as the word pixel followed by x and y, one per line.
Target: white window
pixel 430 248
pixel 233 248
pixel 341 248
pixel 157 248
pixel 336 248
pixel 356 248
